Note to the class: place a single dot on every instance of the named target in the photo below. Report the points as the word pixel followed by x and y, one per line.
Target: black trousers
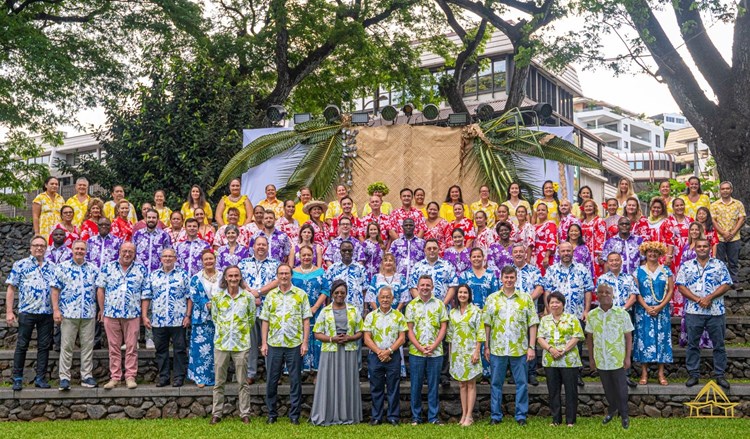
pixel 616 390
pixel 162 336
pixel 557 377
pixel 384 377
pixel 277 358
pixel 44 327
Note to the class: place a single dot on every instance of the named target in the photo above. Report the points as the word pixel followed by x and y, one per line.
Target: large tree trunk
pixel 728 139
pixel 517 88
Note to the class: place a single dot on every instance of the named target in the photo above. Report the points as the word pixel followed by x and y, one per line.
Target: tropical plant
pixel 491 149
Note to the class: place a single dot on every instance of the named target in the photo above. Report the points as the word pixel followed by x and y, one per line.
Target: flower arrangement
pixel 378 186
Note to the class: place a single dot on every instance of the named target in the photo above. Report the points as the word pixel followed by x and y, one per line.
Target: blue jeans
pixel 729 253
pixel 384 377
pixel 420 367
pixel 716 327
pixel 519 369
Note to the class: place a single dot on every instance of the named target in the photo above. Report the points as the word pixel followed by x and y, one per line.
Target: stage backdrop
pixel 401 156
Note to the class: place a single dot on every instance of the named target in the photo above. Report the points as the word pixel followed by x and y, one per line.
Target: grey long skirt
pixel 337 399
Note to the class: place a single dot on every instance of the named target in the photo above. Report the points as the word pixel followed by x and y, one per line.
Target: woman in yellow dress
pixel 624 191
pixel 694 197
pixel 550 199
pixel 45 209
pixel 196 198
pixel 334 207
pixel 454 196
pixel 234 199
pixel 164 212
pixel 484 204
pixel 304 195
pixel 513 199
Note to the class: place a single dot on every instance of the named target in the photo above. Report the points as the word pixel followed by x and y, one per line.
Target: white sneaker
pixel 150 344
pixel 122 348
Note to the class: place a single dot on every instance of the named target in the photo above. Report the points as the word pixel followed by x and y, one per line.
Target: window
pixel 627 145
pixel 670 119
pixel 484 80
pixel 638 166
pixel 499 76
pixel 679 120
pixel 657 141
pixel 624 127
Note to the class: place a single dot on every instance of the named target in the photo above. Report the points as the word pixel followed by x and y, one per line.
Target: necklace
pixel 650 283
pixel 306 270
pixel 211 277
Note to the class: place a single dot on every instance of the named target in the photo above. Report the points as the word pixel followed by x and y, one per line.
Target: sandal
pixel 663 381
pixel 468 422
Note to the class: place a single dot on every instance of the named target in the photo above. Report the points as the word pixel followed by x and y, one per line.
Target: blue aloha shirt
pixel 149 245
pixel 573 282
pixel 355 277
pixel 58 255
pixel 32 282
pixel 622 286
pixel 397 283
pixel 258 273
pixel 168 293
pixel 122 290
pixel 481 287
pixel 333 249
pixel 443 276
pixel 279 244
pixel 702 282
pixel 189 255
pixel 102 251
pixel 77 285
pixel 527 278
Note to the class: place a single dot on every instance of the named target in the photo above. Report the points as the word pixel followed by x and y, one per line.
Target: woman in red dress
pixel 594 233
pixel 437 227
pixel 545 241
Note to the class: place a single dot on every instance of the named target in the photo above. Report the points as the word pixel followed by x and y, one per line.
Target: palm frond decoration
pixel 493 151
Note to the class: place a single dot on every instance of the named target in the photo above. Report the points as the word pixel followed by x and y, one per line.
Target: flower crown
pixel 653 245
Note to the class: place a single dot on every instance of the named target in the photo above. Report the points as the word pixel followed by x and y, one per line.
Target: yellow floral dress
pixel 239 205
pixel 79 208
pixel 50 213
pixel 464 331
pixel 165 214
pixel 692 208
pixel 552 213
pixel 490 210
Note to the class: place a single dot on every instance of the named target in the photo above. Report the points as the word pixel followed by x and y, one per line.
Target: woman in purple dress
pixel 307 238
pixel 233 252
pixel 372 250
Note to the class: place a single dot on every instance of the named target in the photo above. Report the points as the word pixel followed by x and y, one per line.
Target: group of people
pixel 474 290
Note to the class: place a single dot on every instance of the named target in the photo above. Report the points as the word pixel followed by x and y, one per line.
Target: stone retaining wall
pixel 191 402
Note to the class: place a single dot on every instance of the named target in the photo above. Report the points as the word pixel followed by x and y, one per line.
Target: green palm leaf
pixel 318 169
pixel 263 147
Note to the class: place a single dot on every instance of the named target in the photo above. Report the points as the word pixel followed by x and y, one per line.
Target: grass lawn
pixel 537 428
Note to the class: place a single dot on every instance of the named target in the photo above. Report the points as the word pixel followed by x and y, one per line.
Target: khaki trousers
pixel 221 364
pixel 83 329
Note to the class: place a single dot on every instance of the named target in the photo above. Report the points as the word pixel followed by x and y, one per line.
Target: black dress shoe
pixel 691 381
pixel 294 421
pixel 626 423
pixel 177 383
pixel 393 422
pixel 521 422
pixel 723 382
pixel 579 381
pixel 245 419
pixel 215 420
pixel 162 383
pixel 632 384
pixel 374 421
pixel 533 381
pixel 607 419
pixel 271 421
pixel 496 421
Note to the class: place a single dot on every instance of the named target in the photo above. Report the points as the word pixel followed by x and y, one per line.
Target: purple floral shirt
pixel 102 251
pixel 333 250
pixel 371 255
pixel 279 244
pixel 148 247
pixel 499 256
pixel 627 248
pixel 407 253
pixel 460 260
pixel 224 258
pixel 189 255
pixel 58 255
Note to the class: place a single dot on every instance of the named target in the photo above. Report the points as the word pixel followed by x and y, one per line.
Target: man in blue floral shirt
pixel 168 292
pixel 119 288
pixel 704 281
pixel 31 278
pixel 259 274
pixel 442 272
pixel 74 309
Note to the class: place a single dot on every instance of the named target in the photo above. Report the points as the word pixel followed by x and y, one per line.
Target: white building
pixel 691 154
pixel 621 130
pixel 671 121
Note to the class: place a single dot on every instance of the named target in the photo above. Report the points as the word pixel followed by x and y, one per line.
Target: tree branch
pixel 451 18
pixel 511 31
pixel 707 58
pixel 680 80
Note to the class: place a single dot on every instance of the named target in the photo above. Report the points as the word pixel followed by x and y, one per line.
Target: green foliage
pixel 677 188
pixel 178 131
pixel 16 175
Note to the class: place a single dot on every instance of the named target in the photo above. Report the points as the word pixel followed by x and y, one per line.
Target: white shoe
pixel 122 348
pixel 150 344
